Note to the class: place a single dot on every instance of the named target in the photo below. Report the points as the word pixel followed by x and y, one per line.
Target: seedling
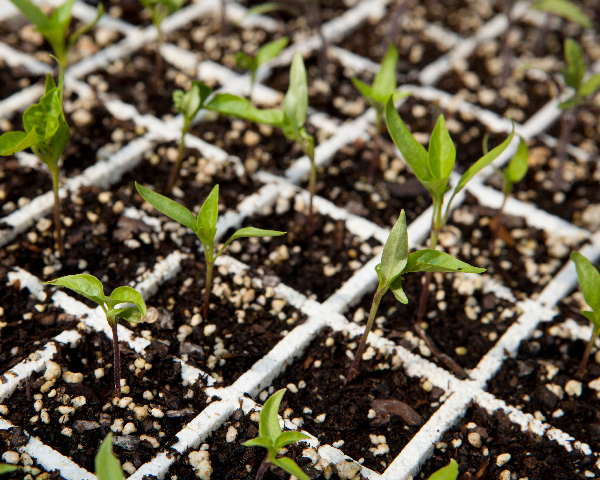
pixel 449 472
pixel 511 175
pixel 204 226
pixel 188 104
pixel 265 53
pixel 91 288
pixel 433 169
pixel 6 468
pixel 54 27
pixel 107 465
pixel 159 10
pixel 377 95
pixel 396 262
pixel 573 74
pixel 273 439
pixel 291 119
pixel 46 133
pixel 589 282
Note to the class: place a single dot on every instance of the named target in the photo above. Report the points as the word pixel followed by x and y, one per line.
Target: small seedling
pixel 573 74
pixel 565 9
pixel 291 119
pixel 273 439
pixel 396 262
pixel 46 133
pixel 378 94
pixel 265 53
pixel 449 472
pixel 6 468
pixel 107 465
pixel 54 27
pixel 589 282
pixel 91 288
pixel 188 104
pixel 159 10
pixel 511 175
pixel 433 169
pixel 204 226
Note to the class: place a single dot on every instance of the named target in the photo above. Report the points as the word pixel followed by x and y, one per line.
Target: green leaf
pixel 245 61
pixel 442 153
pixel 364 89
pixel 263 8
pixel 592 317
pixel 575 68
pixel 413 152
pixel 449 472
pixel 12 142
pixel 259 442
pixel 590 86
pixel 270 50
pixel 31 12
pixel 107 465
pixel 207 237
pixel 395 252
pixel 589 281
pixel 232 105
pixel 251 232
pixel 295 103
pixel 384 83
pixel 59 140
pixel 209 212
pixel 86 28
pixel 570 103
pixel 517 167
pixel 268 423
pixel 82 283
pixel 170 208
pixel 129 295
pixel 565 9
pixel 130 314
pixel 289 437
pixel 5 468
pixel 43 117
pixel 291 467
pixel 189 103
pixel 396 288
pixel 428 260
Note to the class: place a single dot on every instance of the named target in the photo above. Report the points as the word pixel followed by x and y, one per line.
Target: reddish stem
pixel 117 359
pixel 586 353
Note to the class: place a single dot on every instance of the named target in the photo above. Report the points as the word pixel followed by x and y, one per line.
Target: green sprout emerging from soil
pixel 433 168
pixel 589 282
pixel 46 133
pixel 449 472
pixel 396 262
pixel 91 288
pixel 204 226
pixel 265 53
pixel 271 437
pixel 188 104
pixel 377 95
pixel 107 465
pixel 291 119
pixel 159 10
pixel 54 27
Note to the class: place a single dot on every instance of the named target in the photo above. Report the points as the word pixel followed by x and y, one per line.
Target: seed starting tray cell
pixel 190 384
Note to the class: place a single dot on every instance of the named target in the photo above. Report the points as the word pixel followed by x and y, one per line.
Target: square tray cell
pixel 245 320
pixel 493 440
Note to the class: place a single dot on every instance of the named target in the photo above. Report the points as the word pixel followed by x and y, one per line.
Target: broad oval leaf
pixel 449 472
pixel 169 207
pixel 268 423
pixel 442 153
pixel 428 260
pixel 209 212
pixel 84 284
pixel 589 281
pixel 291 467
pixel 398 291
pixel 232 105
pixel 395 252
pixel 270 50
pixel 107 465
pixel 129 295
pixel 575 68
pixel 289 437
pixel 413 152
pixel 12 142
pixel 295 103
pixel 130 314
pixel 43 117
pixel 565 9
pixel 259 442
pixel 384 83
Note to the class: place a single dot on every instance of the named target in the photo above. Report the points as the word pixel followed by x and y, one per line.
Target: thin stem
pixel 586 354
pixel 159 59
pixel 175 170
pixel 252 80
pixel 263 468
pixel 374 306
pixel 566 129
pixel 505 49
pixel 311 189
pixel 375 150
pixel 498 225
pixel 57 223
pixel 117 359
pixel 208 286
pixel 441 356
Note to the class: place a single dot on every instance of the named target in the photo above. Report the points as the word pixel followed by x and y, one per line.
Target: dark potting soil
pixel 78 432
pixel 367 407
pixel 245 322
pixel 10 439
pixel 27 322
pixel 296 15
pixel 15 79
pixel 463 321
pixel 394 187
pixel 531 456
pixel 461 16
pixel 548 360
pixel 318 266
pixel 586 131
